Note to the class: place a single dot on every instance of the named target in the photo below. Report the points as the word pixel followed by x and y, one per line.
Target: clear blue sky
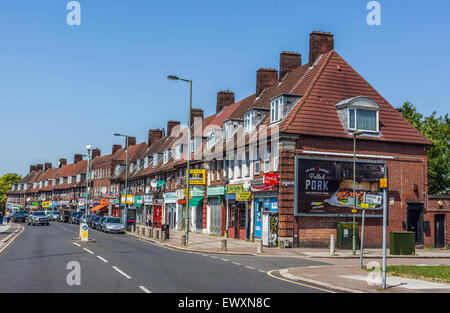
pixel 63 87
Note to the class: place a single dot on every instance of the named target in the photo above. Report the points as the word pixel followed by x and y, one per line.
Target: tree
pixel 6 181
pixel 437 130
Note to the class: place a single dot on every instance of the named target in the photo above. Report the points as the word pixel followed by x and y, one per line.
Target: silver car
pixel 55 216
pixel 112 225
pixel 37 218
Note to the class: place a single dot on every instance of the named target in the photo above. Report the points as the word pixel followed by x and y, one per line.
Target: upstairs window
pixel 78 178
pixel 211 138
pixel 178 151
pixel 276 109
pixel 166 156
pixel 146 161
pixel 249 121
pixel 69 179
pixel 155 159
pixel 359 119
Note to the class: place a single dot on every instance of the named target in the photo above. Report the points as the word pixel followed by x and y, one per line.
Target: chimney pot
pixel 265 78
pixel 96 153
pixel 77 158
pixel 224 99
pixel 288 62
pixel 47 166
pixel 131 141
pixel 115 148
pixel 32 168
pixel 196 114
pixel 170 126
pixel 154 135
pixel 62 162
pixel 39 167
pixel 319 43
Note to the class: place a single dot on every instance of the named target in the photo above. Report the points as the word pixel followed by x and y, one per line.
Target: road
pixel 36 261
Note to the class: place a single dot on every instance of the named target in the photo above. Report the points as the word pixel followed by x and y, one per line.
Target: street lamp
pixel 172 77
pixel 356 133
pixel 88 189
pixel 126 179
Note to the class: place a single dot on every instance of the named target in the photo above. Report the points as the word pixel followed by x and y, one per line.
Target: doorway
pixel 414 219
pixel 439 230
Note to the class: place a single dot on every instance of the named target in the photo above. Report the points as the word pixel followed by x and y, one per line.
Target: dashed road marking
pixel 77 244
pixel 106 261
pixel 236 263
pixel 225 260
pixel 214 257
pixel 117 269
pixel 262 271
pixel 249 267
pixel 88 251
pixel 145 289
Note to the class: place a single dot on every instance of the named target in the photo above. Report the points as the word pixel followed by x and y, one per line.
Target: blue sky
pixel 63 87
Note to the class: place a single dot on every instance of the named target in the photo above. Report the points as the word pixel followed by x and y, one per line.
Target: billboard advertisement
pixel 325 186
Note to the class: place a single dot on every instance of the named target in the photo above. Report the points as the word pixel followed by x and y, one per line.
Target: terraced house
pixel 276 166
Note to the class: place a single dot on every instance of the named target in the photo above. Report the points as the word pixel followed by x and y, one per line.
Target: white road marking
pixel 77 244
pixel 114 267
pixel 214 257
pixel 225 260
pixel 236 263
pixel 262 271
pixel 106 261
pixel 88 251
pixel 252 268
pixel 145 289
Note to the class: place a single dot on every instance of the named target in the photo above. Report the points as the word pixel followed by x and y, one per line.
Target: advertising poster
pixel 325 186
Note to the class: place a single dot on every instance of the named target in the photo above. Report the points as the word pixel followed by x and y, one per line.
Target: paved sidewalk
pixel 7 231
pixel 212 244
pixel 349 278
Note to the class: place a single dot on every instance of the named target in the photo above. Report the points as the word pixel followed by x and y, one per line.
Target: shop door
pixel 234 220
pixel 216 215
pixel 258 217
pixel 439 230
pixel 157 210
pixel 414 216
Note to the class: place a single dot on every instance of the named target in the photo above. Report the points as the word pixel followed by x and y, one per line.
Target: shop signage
pixel 243 196
pixel 215 191
pixel 195 191
pixel 197 176
pixel 325 186
pixel 138 201
pixel 116 201
pixel 271 179
pixel 35 203
pixel 130 199
pixel 148 199
pixel 45 204
pixel 383 183
pixel 235 188
pixel 182 201
pixel 160 183
pixel 104 201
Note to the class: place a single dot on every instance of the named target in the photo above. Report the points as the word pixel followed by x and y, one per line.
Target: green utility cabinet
pixel 344 236
pixel 402 243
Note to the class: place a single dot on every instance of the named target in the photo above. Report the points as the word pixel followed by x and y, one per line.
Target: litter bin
pixel 344 236
pixel 402 243
pixel 165 231
pixel 1 219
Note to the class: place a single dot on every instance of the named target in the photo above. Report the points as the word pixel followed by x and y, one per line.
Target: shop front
pixel 170 209
pixel 157 212
pixel 148 208
pixel 238 212
pixel 215 210
pixel 139 206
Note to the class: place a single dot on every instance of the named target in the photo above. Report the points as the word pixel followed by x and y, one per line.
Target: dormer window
pixel 146 161
pixel 46 183
pixel 35 185
pixel 78 178
pixel 211 138
pixel 61 180
pixel 155 159
pixel 249 121
pixel 178 151
pixel 69 179
pixel 359 113
pixel 132 166
pixel 166 156
pixel 276 109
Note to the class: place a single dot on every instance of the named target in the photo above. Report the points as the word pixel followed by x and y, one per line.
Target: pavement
pixel 212 244
pixel 46 259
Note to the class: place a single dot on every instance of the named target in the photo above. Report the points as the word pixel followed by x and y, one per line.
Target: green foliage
pixel 437 130
pixel 6 182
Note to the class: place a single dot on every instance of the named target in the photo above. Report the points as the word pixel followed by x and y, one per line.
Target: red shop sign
pixel 181 201
pixel 271 179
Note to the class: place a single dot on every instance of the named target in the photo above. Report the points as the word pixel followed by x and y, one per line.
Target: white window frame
pixel 356 109
pixel 276 109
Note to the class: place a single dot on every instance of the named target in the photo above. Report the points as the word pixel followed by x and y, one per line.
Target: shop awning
pixel 98 207
pixel 195 202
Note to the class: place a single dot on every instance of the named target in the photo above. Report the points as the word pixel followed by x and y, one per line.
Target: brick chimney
pixel 62 162
pixel 265 78
pixel 319 43
pixel 154 135
pixel 224 98
pixel 77 158
pixel 32 168
pixel 195 114
pixel 47 166
pixel 288 62
pixel 115 148
pixel 170 126
pixel 39 167
pixel 96 152
pixel 131 141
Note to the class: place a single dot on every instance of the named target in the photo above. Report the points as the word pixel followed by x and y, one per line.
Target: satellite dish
pixel 153 183
pixel 147 189
pixel 104 189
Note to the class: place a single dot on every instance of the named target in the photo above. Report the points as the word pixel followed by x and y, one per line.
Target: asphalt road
pixel 37 260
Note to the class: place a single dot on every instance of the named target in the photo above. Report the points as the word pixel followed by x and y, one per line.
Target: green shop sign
pixel 235 188
pixel 215 191
pixel 160 183
pixel 138 201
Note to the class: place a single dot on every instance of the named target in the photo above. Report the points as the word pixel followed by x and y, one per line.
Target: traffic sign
pixel 84 232
pixel 364 205
pixel 383 182
pixel 354 211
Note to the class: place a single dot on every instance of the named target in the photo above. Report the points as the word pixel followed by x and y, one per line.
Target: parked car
pixel 112 225
pixel 84 218
pixel 54 216
pixel 77 218
pixel 37 218
pixel 91 220
pixel 65 216
pixel 18 217
pixel 73 217
pixel 98 223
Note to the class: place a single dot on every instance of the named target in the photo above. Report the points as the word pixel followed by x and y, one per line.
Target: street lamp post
pixel 125 222
pixel 88 189
pixel 356 133
pixel 171 77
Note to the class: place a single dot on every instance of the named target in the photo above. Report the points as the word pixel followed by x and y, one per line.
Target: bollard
pixel 133 228
pixel 259 248
pixel 183 240
pixel 223 244
pixel 157 234
pixel 150 232
pixel 332 245
pixel 163 235
pixel 138 230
